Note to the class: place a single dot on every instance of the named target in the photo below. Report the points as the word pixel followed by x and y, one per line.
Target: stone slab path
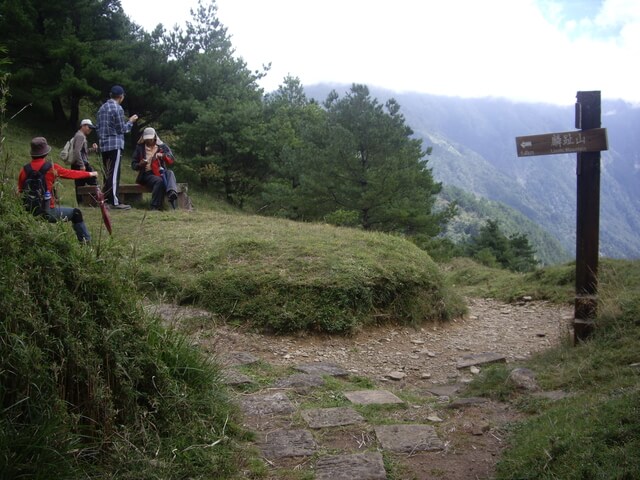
pixel 362 458
pixel 386 403
pixel 331 417
pixel 361 466
pixel 373 397
pixel 408 438
pixel 288 443
pixel 266 404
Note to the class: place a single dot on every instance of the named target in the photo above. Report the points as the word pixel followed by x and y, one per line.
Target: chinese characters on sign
pixel 594 140
pixel 562 140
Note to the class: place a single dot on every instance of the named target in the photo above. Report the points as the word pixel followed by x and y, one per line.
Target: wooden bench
pixel 129 193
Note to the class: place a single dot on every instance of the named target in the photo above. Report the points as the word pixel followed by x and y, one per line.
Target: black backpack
pixel 34 188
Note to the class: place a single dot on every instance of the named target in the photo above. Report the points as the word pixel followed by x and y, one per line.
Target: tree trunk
pixel 365 219
pixel 58 112
pixel 74 112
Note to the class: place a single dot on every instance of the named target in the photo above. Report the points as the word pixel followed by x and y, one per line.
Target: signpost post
pixel 587 143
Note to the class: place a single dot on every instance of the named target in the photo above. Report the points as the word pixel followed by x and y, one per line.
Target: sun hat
pixel 87 121
pixel 39 147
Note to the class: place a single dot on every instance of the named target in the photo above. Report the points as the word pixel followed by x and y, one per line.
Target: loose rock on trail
pixel 413 375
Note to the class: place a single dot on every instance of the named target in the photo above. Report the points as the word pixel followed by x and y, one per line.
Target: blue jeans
pixel 75 215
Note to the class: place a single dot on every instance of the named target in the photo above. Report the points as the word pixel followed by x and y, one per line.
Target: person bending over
pixel 151 159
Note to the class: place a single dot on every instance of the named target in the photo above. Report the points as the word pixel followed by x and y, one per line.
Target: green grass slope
pixel 595 431
pixel 89 387
pixel 281 275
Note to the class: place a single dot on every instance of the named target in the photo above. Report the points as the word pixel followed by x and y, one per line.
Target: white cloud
pixel 508 48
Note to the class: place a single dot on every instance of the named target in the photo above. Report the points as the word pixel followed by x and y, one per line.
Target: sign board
pixel 593 140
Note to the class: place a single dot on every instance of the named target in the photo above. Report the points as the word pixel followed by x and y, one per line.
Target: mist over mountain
pixel 474 149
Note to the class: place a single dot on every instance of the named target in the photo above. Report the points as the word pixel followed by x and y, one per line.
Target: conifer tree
pixel 365 163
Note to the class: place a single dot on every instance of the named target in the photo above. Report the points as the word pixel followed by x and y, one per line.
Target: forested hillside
pixel 349 156
pixel 472 211
pixel 473 144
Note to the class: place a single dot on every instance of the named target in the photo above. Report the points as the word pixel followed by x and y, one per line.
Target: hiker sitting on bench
pixel 150 159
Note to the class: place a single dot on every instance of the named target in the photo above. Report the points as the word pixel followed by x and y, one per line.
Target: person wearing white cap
pixel 80 154
pixel 151 159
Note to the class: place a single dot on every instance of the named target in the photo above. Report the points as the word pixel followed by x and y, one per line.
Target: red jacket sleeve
pixel 21 178
pixel 70 174
pixel 168 155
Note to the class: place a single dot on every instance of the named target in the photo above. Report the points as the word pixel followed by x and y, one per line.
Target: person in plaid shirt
pixel 111 129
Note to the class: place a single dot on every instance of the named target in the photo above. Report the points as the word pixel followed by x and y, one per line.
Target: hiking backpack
pixel 35 188
pixel 66 152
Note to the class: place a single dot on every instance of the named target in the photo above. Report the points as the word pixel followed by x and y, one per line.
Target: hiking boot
pixel 121 206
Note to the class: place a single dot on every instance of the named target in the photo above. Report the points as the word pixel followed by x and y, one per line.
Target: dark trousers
pixel 84 181
pixel 111 161
pixel 157 188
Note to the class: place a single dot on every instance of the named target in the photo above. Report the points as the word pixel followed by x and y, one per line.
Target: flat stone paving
pixel 300 380
pixel 360 466
pixel 235 359
pixel 285 443
pixel 408 438
pixel 331 417
pixel 480 359
pixel 288 443
pixel 444 390
pixel 372 397
pixel 322 368
pixel 266 404
pixel 466 402
pixel 233 377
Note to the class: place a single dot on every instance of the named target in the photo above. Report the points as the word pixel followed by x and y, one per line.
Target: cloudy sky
pixel 531 50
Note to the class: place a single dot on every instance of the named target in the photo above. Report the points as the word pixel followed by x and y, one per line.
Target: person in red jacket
pixel 151 159
pixel 39 151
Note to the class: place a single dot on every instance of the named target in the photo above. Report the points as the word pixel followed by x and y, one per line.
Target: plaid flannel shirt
pixel 112 126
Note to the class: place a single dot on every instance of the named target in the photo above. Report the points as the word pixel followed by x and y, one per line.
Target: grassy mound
pixel 284 276
pixel 89 387
pixel 555 283
pixel 595 432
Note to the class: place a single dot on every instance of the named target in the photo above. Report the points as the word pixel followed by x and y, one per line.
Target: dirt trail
pixel 514 330
pixel 420 359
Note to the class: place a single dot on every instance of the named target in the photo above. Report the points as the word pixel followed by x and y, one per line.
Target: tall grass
pixel 595 432
pixel 91 388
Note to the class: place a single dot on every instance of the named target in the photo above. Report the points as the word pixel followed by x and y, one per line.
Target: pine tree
pixel 491 247
pixel 365 162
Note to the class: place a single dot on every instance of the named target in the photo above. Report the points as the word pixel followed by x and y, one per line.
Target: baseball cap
pixel 148 133
pixel 87 121
pixel 117 90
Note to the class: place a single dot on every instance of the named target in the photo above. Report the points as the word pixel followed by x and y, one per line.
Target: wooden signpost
pixel 587 143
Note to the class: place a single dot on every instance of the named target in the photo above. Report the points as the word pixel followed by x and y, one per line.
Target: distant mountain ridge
pixel 474 149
